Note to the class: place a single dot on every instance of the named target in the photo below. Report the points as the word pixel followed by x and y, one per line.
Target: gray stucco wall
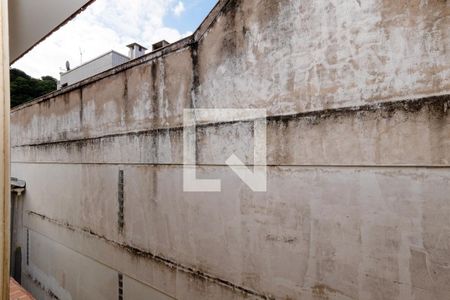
pixel 358 141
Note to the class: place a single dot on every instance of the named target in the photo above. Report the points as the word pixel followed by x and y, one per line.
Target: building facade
pixel 93 67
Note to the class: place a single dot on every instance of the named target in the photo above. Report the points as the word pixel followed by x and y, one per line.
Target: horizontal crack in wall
pixel 435 103
pixel 158 258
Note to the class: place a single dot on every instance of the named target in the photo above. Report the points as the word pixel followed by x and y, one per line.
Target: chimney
pixel 160 44
pixel 136 50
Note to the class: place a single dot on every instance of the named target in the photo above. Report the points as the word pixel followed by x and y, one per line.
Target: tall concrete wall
pixel 358 141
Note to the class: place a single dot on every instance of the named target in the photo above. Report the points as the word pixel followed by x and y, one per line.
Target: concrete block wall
pixel 358 141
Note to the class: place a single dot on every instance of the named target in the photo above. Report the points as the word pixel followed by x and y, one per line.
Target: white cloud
pixel 105 25
pixel 178 9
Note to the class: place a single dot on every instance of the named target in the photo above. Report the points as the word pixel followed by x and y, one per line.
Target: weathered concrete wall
pixel 358 150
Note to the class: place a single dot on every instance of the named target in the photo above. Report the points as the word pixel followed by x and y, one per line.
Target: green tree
pixel 25 88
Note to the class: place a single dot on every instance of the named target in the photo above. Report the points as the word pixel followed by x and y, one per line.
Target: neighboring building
pixel 95 66
pixel 100 64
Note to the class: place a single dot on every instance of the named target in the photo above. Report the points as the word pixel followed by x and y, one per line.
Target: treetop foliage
pixel 25 88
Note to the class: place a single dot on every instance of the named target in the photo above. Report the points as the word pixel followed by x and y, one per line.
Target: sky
pixel 111 25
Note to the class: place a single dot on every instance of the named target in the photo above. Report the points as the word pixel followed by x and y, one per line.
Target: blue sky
pixel 194 13
pixel 110 25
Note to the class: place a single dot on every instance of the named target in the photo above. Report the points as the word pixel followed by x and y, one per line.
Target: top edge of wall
pixel 171 48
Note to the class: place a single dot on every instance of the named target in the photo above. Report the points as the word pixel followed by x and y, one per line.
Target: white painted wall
pixel 93 67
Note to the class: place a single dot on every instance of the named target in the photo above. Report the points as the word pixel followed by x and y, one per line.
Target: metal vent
pixel 28 247
pixel 120 197
pixel 120 281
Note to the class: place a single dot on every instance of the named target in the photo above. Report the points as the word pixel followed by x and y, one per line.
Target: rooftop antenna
pixel 67 65
pixel 81 56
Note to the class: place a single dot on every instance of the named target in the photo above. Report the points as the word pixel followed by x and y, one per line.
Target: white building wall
pixel 118 59
pixel 98 65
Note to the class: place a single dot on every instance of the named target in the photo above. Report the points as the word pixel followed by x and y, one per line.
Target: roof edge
pixel 72 16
